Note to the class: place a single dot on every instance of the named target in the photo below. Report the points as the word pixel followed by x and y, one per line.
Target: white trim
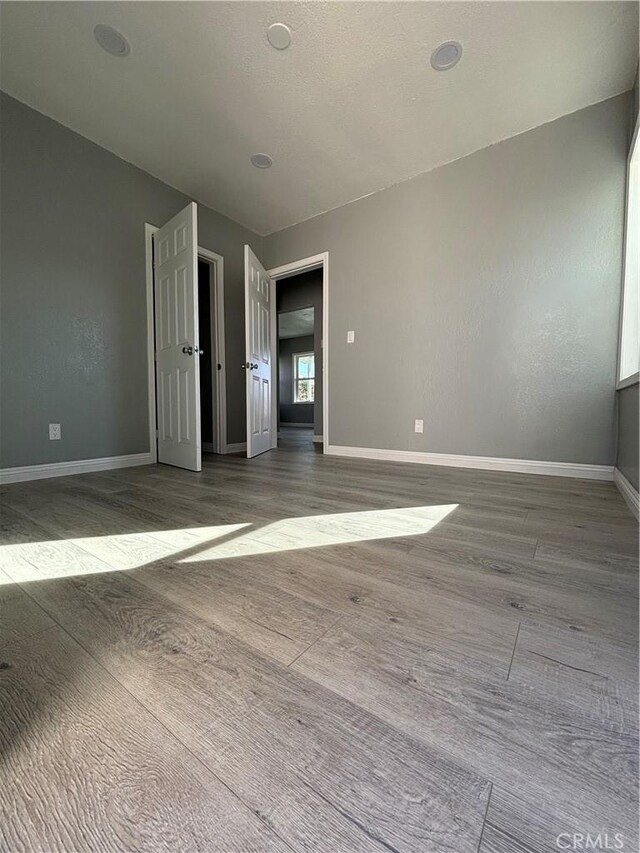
pixel 318 439
pixel 487 463
pixel 217 261
pixel 218 335
pixel 286 271
pixel 630 380
pixel 80 466
pixel 313 262
pixel 239 447
pixel 628 492
pixel 149 231
pixel 633 378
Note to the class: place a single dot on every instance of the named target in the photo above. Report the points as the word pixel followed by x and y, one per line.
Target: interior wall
pixel 303 291
pixel 290 412
pixel 484 296
pixel 73 290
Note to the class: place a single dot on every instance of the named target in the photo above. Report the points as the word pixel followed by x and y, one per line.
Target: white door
pixel 177 350
pixel 258 315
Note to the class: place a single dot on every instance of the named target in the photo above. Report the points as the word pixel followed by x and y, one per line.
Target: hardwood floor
pixel 307 653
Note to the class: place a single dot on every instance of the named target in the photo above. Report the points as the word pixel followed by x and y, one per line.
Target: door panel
pixel 176 325
pixel 258 367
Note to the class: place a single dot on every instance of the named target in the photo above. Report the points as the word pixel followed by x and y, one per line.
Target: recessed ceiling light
pixel 111 40
pixel 279 36
pixel 446 55
pixel 262 161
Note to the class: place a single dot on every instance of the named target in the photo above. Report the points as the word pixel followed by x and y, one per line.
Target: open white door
pixel 258 311
pixel 177 350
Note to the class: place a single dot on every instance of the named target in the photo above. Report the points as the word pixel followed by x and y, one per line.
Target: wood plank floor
pixel 305 653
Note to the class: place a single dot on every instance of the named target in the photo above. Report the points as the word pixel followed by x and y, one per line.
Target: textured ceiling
pixel 352 107
pixel 295 324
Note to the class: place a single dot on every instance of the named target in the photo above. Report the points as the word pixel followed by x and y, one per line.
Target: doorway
pixel 261 347
pixel 299 360
pixel 213 417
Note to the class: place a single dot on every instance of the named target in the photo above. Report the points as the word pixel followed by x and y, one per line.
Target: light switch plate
pixel 55 432
pixel 419 425
pixel 351 337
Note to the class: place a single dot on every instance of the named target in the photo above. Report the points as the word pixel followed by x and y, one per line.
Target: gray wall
pixel 627 460
pixel 290 412
pixel 303 291
pixel 484 296
pixel 73 293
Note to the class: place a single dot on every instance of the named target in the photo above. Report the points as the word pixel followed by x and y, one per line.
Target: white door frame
pixel 217 307
pixel 216 344
pixel 276 274
pixel 634 150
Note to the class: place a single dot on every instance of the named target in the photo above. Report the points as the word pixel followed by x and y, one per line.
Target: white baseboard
pixel 318 439
pixel 240 447
pixel 628 492
pixel 487 463
pixel 81 466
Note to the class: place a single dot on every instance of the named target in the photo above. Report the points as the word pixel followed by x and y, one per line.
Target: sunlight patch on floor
pixel 31 561
pixel 316 531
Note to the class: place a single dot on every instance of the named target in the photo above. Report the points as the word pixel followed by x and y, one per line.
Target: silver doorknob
pixel 253 367
pixel 187 350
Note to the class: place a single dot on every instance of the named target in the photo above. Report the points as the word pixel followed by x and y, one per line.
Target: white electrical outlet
pixel 419 425
pixel 55 432
pixel 351 337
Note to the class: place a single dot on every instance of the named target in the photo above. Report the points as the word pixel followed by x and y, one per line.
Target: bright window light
pixel 629 361
pixel 37 561
pixel 304 377
pixel 97 554
pixel 316 531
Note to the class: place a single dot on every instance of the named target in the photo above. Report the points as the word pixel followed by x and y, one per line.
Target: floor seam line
pixel 513 652
pixel 484 819
pixel 317 639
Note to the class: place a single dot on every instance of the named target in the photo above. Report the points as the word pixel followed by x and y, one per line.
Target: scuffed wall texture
pixel 484 296
pixel 73 293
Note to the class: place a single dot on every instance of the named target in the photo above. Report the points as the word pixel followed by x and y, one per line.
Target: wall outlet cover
pixel 351 337
pixel 55 432
pixel 419 425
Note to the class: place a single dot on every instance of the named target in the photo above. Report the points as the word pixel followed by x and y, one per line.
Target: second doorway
pixel 299 367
